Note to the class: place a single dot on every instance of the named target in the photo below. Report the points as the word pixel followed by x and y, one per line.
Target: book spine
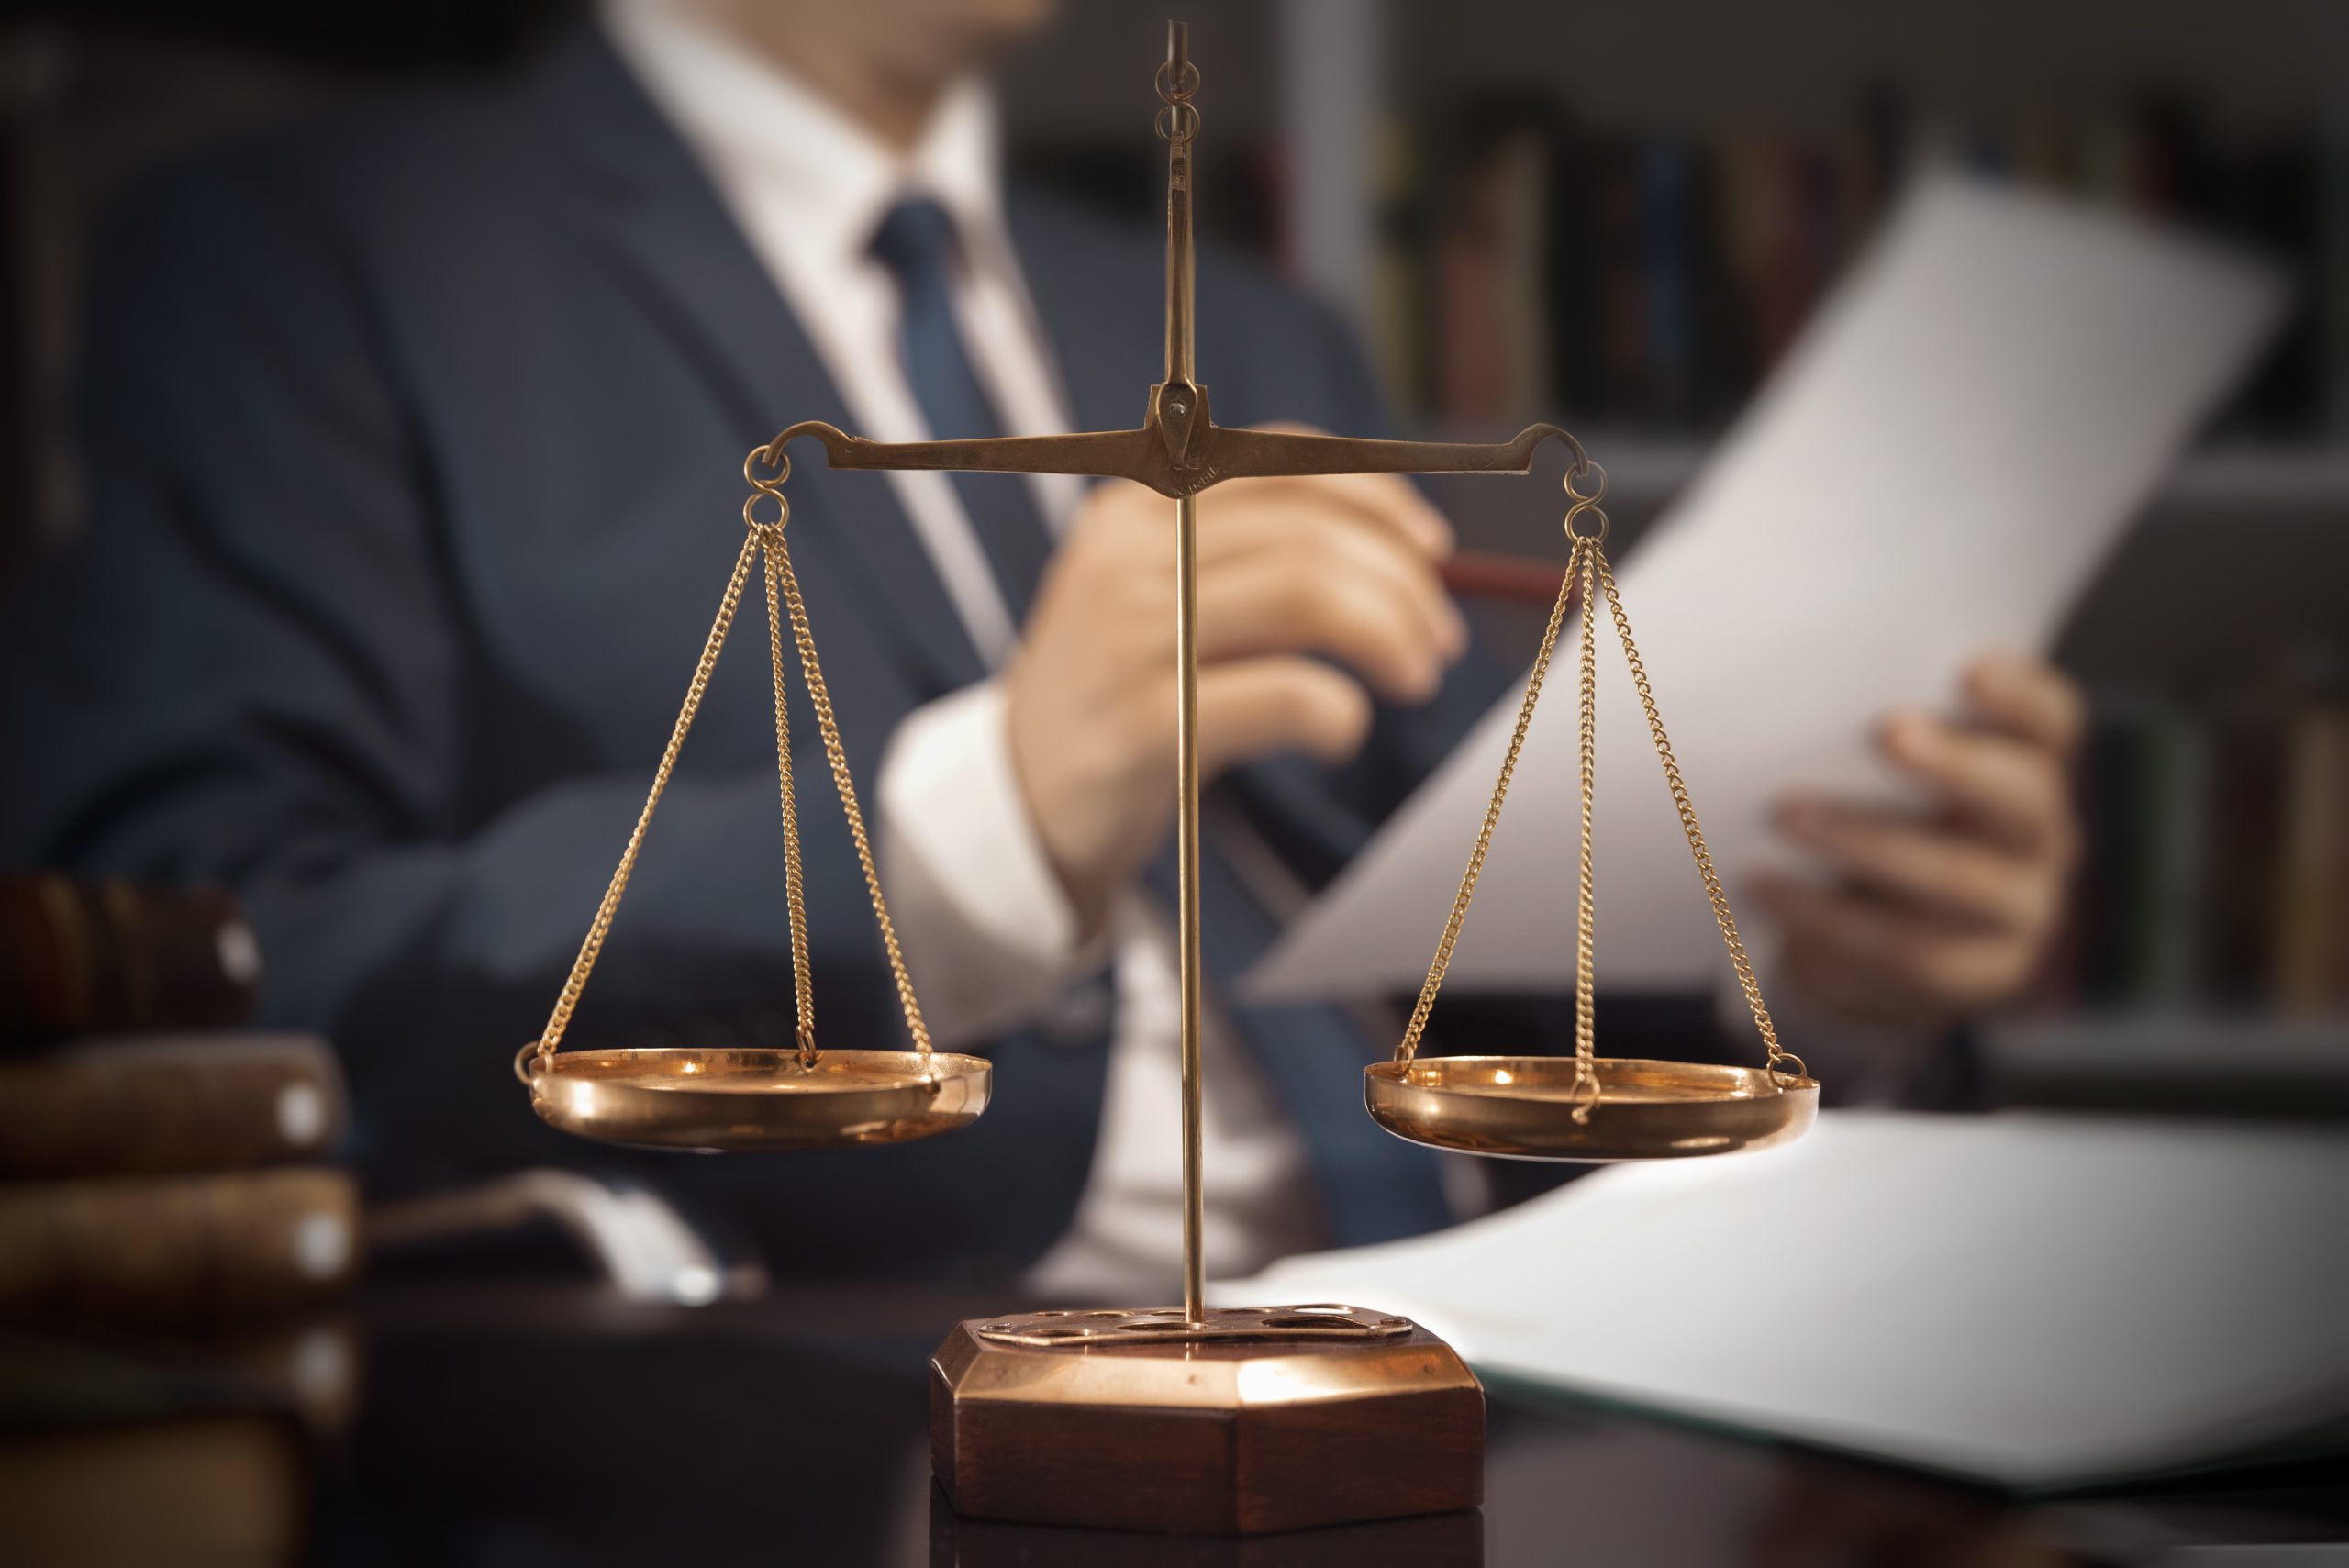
pixel 1668 244
pixel 1522 328
pixel 80 957
pixel 2112 768
pixel 1784 282
pixel 2309 914
pixel 1619 277
pixel 2178 851
pixel 2245 849
pixel 139 1107
pixel 1469 281
pixel 2332 267
pixel 182 1248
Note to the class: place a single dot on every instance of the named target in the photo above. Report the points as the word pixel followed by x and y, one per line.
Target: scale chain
pixel 1589 572
pixel 794 883
pixel 1585 1087
pixel 763 541
pixel 1778 1055
pixel 820 697
pixel 589 950
pixel 1426 1004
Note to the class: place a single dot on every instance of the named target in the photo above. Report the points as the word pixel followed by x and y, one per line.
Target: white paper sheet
pixel 1940 467
pixel 2031 1300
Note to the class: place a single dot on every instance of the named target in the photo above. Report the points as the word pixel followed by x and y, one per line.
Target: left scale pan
pixel 722 1100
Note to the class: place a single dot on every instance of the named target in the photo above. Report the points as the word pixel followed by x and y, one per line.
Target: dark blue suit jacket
pixel 413 441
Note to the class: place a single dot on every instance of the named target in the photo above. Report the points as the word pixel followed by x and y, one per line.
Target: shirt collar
pixel 758 125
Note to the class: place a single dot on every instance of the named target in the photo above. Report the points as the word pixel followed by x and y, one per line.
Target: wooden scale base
pixel 1286 1417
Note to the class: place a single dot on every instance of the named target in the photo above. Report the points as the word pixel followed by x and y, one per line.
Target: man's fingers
pixel 2026 698
pixel 1318 544
pixel 1930 868
pixel 2016 790
pixel 1256 707
pixel 1271 608
pixel 1377 500
pixel 1902 950
pixel 1296 599
pixel 1834 984
pixel 1936 914
pixel 1306 535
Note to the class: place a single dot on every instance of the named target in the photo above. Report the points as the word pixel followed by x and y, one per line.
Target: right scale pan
pixel 1586 1106
pixel 1523 1106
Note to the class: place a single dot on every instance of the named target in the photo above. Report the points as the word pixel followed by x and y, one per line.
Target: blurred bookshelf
pixel 1622 215
pixel 1618 218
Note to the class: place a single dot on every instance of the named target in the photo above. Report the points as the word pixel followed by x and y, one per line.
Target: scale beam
pixel 1209 454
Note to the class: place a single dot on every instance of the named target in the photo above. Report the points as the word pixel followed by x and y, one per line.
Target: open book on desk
pixel 2033 1301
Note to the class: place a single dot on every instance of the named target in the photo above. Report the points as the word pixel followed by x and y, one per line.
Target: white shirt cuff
pixel 989 936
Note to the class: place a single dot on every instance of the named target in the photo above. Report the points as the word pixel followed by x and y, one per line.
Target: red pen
pixel 1517 579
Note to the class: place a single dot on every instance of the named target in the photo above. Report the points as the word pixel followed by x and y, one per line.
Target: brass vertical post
pixel 1180 347
pixel 1179 120
pixel 1187 749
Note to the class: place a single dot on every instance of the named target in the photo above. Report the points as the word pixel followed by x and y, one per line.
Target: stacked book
pixel 172 1240
pixel 171 1167
pixel 173 1177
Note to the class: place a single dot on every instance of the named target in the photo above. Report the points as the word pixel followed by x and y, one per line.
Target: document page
pixel 2032 1300
pixel 1940 465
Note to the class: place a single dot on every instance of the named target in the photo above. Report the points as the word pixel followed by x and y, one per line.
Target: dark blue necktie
pixel 1371 1186
pixel 916 242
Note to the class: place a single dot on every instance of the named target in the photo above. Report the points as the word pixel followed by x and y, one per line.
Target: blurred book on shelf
pixel 1539 265
pixel 2207 966
pixel 2217 867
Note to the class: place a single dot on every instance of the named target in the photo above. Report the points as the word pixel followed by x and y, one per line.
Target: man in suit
pixel 413 441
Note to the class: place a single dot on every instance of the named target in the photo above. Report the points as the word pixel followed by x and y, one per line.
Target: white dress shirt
pixel 990 938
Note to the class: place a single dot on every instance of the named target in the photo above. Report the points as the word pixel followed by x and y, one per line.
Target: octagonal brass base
pixel 1206 1436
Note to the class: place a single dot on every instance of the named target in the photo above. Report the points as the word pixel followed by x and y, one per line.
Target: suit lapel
pixel 669 233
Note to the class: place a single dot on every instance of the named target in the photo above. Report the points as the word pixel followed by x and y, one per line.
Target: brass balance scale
pixel 1313 1414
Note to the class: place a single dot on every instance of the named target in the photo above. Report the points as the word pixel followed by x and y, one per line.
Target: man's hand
pixel 1315 594
pixel 1936 915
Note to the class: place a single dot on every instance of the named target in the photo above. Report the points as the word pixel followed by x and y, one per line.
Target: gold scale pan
pixel 1580 1107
